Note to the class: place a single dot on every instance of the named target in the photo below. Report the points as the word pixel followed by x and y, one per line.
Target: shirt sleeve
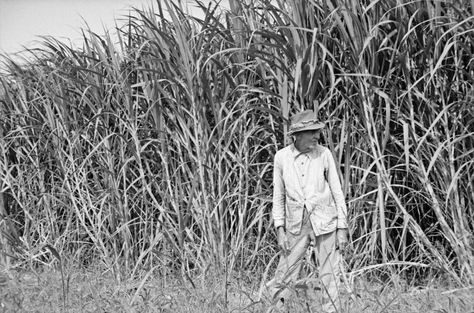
pixel 278 210
pixel 336 190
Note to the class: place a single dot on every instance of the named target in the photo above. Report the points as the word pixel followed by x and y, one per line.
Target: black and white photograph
pixel 237 156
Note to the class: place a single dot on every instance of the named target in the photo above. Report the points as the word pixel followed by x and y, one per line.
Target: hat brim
pixel 315 126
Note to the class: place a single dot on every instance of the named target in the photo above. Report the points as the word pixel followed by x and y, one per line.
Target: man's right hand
pixel 283 240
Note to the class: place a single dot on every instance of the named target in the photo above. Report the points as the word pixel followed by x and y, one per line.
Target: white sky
pixel 22 21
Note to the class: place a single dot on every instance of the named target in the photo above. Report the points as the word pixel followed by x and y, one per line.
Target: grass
pixel 97 291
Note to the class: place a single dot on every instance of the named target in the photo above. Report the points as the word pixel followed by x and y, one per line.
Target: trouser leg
pixel 329 270
pixel 289 266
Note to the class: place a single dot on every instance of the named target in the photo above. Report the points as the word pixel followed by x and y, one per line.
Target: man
pixel 308 206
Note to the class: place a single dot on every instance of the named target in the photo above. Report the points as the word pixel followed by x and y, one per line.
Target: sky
pixel 23 21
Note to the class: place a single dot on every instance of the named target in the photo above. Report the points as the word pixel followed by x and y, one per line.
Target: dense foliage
pixel 154 150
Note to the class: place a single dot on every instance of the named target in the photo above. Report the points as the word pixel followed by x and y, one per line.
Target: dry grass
pixel 95 291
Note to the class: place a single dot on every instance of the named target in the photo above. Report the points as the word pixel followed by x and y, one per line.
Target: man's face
pixel 306 140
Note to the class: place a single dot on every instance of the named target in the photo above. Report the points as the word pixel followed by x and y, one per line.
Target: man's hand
pixel 341 235
pixel 342 242
pixel 282 240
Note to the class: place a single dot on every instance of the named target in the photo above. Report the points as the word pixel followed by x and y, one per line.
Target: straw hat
pixel 305 120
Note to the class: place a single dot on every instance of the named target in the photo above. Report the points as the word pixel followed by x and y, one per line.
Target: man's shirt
pixel 307 180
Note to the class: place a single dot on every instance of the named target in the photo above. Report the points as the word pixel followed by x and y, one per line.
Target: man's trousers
pixel 289 265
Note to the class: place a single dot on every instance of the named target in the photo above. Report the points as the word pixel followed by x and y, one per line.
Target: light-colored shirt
pixel 307 180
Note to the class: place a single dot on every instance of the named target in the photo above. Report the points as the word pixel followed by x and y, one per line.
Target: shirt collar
pixel 295 153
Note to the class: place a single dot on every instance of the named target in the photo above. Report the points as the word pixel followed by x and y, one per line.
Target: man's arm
pixel 279 198
pixel 278 210
pixel 338 195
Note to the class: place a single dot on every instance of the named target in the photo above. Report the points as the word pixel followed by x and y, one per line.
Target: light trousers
pixel 290 265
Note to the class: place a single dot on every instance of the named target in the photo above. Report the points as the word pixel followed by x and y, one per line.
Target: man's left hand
pixel 342 243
